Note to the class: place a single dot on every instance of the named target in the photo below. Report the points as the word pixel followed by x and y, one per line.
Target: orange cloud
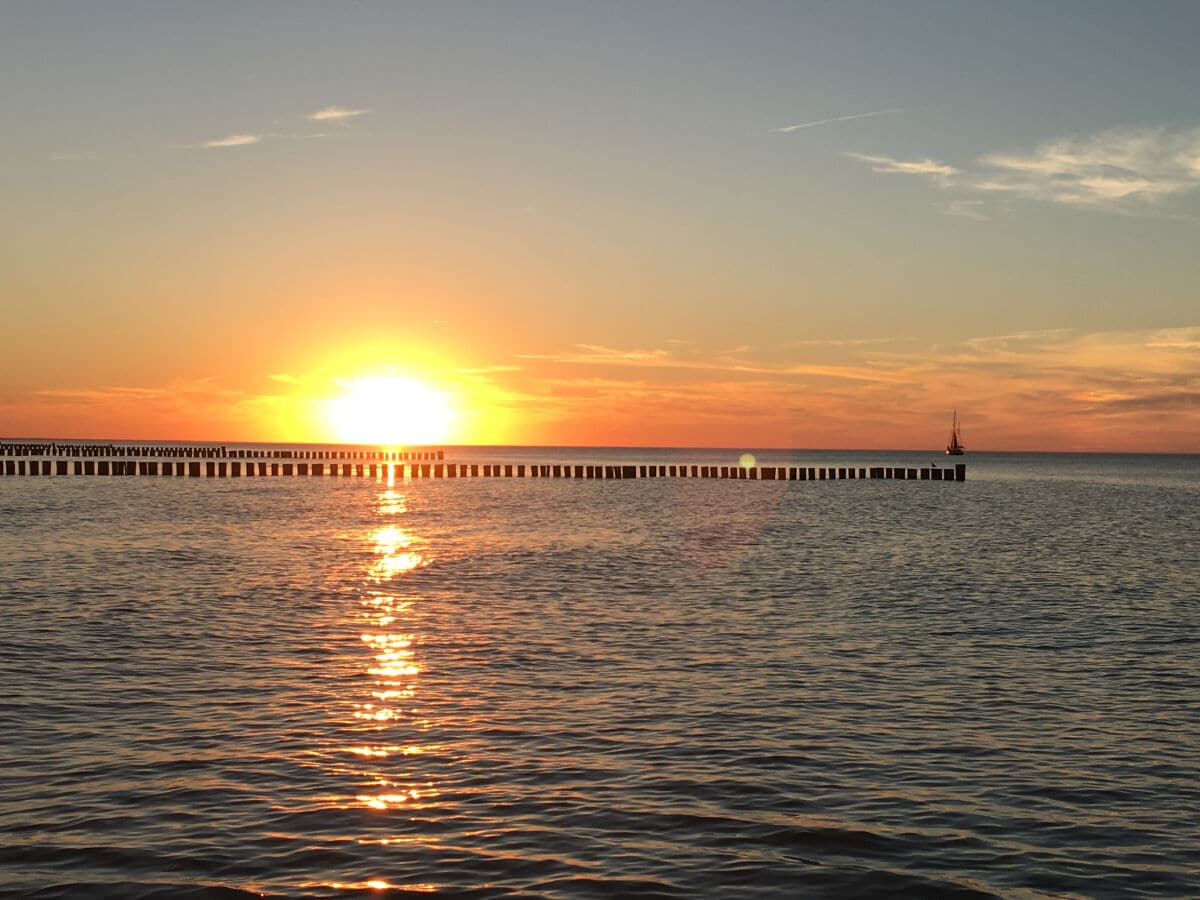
pixel 1054 389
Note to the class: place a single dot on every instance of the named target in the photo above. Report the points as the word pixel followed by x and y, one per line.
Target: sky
pixel 663 224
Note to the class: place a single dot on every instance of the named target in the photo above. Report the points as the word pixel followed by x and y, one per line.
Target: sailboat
pixel 955 447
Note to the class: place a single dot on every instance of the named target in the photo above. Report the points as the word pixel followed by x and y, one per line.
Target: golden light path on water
pixel 391 664
pixel 385 721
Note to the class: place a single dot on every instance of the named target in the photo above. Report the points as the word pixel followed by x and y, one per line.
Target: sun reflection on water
pixel 384 717
pixel 394 554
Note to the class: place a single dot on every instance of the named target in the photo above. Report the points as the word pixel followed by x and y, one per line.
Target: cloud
pixel 328 114
pixel 998 342
pixel 594 355
pixel 73 157
pixel 335 114
pixel 1113 168
pixel 1050 388
pixel 887 165
pixel 965 209
pixel 486 370
pixel 842 342
pixel 1173 401
pixel 1121 170
pixel 788 129
pixel 233 140
pixel 1186 338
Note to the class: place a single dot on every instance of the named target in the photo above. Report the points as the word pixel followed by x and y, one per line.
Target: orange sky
pixel 808 229
pixel 1054 389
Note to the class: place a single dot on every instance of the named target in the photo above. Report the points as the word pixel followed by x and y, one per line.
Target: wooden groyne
pixel 194 451
pixel 286 464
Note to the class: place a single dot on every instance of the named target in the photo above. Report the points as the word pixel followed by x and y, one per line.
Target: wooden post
pixel 960 471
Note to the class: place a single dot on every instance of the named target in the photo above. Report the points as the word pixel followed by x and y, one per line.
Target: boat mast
pixel 955 445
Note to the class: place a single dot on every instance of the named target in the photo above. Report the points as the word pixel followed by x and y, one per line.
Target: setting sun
pixel 390 410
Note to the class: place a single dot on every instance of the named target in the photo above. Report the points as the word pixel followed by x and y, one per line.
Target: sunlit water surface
pixel 327 687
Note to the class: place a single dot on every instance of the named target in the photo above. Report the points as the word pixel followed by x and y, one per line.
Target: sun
pixel 390 410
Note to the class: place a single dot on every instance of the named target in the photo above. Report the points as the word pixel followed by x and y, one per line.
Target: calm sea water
pixel 662 688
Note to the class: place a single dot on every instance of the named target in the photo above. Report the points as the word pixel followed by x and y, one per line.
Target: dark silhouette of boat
pixel 956 446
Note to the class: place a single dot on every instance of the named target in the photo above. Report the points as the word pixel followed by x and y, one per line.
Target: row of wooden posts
pixel 237 469
pixel 141 451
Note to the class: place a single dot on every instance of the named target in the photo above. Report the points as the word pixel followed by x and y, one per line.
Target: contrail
pixel 786 129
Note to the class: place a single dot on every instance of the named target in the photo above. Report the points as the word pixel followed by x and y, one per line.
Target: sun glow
pixel 390 410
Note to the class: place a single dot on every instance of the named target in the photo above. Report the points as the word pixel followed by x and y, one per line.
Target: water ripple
pixel 565 689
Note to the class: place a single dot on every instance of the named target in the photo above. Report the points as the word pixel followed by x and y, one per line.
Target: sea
pixel 672 688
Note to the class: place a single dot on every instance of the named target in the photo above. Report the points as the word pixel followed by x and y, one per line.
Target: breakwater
pixel 222 462
pixel 194 451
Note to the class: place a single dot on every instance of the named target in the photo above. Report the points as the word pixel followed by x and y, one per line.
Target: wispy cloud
pixel 486 370
pixel 73 157
pixel 1125 170
pixel 724 362
pixel 594 354
pixel 888 165
pixel 233 140
pixel 1106 169
pixel 1186 338
pixel 336 114
pixel 1001 342
pixel 788 129
pixel 842 342
pixel 1052 387
pixel 966 209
